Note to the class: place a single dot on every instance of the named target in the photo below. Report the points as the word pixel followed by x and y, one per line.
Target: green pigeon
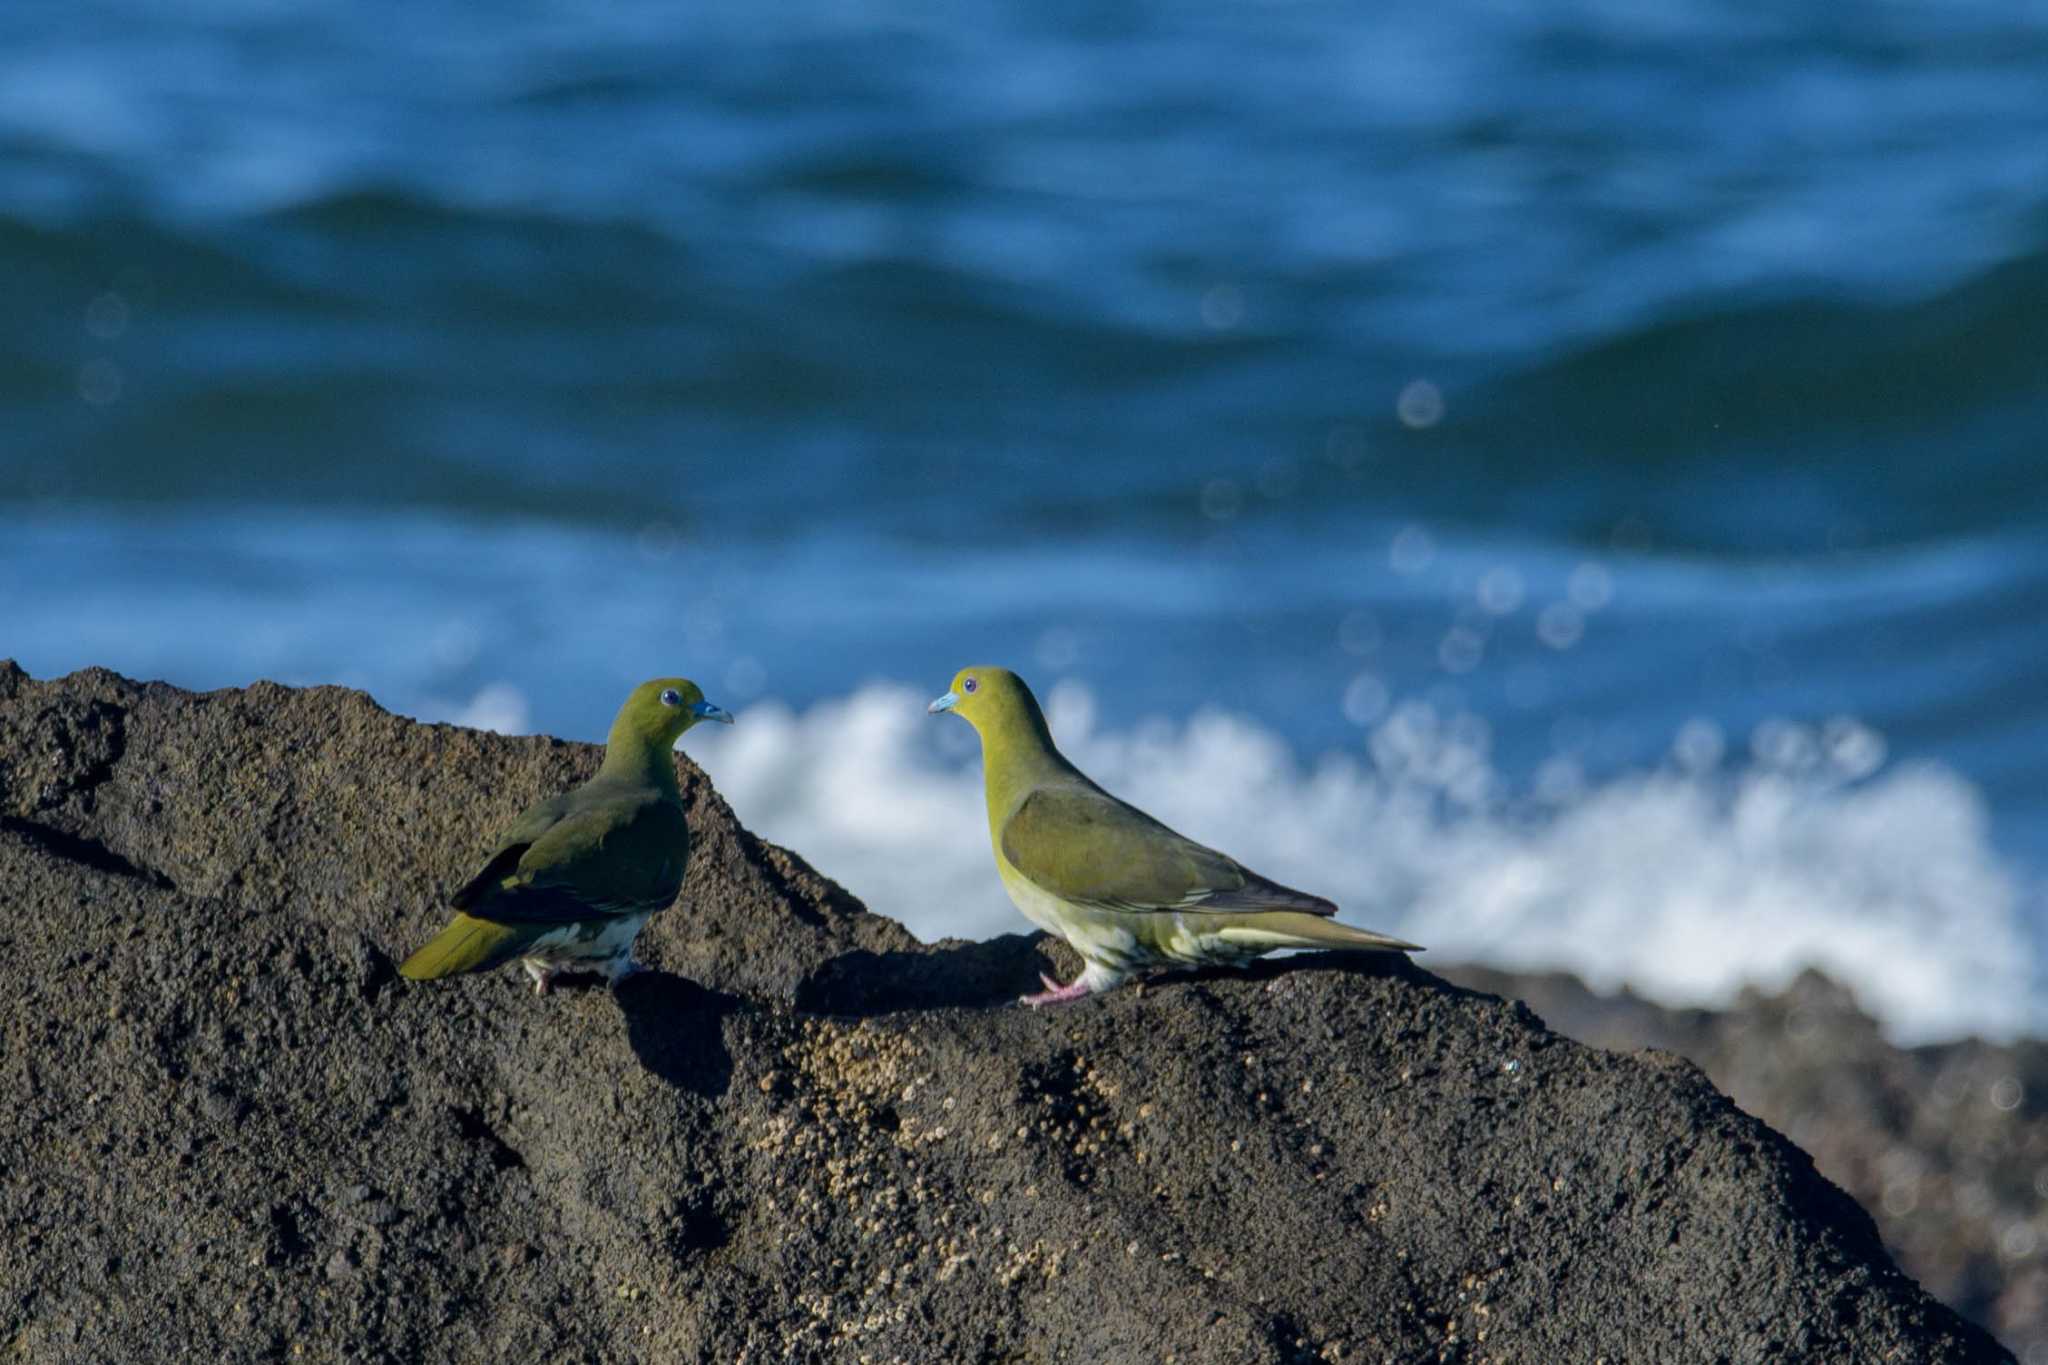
pixel 572 881
pixel 1122 889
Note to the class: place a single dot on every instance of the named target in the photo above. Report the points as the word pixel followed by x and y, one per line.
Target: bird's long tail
pixel 468 944
pixel 1295 929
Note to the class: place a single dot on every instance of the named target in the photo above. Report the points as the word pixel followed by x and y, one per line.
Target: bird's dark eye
pixel 671 697
pixel 969 685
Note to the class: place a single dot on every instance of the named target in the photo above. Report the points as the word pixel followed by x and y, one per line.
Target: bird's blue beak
pixel 945 703
pixel 704 710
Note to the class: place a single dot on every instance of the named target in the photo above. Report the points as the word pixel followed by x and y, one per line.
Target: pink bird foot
pixel 1056 994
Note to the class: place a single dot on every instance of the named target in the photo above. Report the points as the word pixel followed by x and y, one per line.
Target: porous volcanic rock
pixel 231 1132
pixel 1946 1143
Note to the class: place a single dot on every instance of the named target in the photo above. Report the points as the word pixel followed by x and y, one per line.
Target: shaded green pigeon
pixel 1124 890
pixel 572 881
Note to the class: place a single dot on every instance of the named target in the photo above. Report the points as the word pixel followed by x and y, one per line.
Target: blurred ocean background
pixel 1568 482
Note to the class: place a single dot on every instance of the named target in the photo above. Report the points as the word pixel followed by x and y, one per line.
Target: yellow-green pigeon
pixel 570 884
pixel 1124 890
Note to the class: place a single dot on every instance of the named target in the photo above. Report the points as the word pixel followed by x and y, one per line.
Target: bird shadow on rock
pixel 962 974
pixel 677 1030
pixel 950 974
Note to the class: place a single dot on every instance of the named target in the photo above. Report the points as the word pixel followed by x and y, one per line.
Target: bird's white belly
pixel 580 945
pixel 1123 940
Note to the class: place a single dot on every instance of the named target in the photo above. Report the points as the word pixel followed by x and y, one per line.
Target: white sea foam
pixel 1687 882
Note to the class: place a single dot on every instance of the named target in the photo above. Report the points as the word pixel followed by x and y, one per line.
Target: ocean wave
pixel 1687 883
pixel 536 353
pixel 1791 423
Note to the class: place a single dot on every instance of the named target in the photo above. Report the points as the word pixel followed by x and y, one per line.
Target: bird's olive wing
pixel 1259 895
pixel 617 857
pixel 512 846
pixel 1083 845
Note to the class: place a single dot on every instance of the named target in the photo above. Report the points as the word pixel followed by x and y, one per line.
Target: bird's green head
pixel 660 709
pixel 993 700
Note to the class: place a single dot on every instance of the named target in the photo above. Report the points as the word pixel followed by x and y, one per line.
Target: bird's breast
pixel 1098 935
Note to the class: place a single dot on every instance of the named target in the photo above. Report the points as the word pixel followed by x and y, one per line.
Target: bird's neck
pixel 1018 757
pixel 632 759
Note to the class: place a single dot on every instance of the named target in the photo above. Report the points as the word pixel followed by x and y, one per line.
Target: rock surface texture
pixel 230 1132
pixel 1946 1144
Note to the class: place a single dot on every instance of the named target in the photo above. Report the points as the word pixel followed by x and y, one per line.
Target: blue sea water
pixel 1568 482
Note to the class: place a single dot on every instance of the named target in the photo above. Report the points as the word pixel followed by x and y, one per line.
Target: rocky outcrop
pixel 1945 1144
pixel 231 1131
